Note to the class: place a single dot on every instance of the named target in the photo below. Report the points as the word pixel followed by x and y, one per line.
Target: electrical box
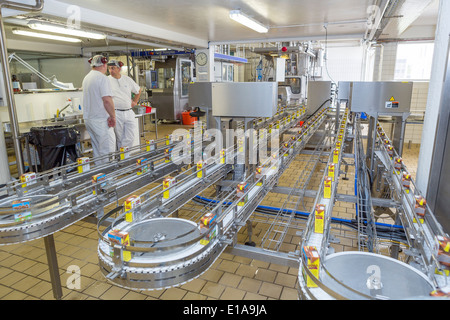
pixel 236 99
pixel 377 98
pixel 319 94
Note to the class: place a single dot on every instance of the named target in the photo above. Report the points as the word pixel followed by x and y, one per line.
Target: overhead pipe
pixel 23 7
pixel 142 42
pixel 7 77
pixel 278 50
pixel 382 6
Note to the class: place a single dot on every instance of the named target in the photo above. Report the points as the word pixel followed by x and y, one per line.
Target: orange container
pixel 187 119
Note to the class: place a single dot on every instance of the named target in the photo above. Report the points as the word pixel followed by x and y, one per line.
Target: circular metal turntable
pixel 364 275
pixel 170 238
pixel 31 217
pixel 166 252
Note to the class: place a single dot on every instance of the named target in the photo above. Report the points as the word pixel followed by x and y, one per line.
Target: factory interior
pixel 285 150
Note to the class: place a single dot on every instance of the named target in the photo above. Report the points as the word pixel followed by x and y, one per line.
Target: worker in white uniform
pixel 122 88
pixel 98 109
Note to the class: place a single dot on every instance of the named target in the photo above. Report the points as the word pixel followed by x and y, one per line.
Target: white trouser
pixel 126 127
pixel 103 139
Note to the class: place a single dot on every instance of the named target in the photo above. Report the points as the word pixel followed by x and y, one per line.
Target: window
pixel 414 61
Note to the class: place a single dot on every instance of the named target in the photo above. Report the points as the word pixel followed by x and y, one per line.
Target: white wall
pixel 344 64
pixel 68 70
pixel 39 106
pixel 385 59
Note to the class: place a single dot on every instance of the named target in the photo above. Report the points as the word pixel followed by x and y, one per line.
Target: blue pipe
pixel 306 214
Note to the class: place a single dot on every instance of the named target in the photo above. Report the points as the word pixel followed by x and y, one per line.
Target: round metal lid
pixel 164 234
pixel 375 276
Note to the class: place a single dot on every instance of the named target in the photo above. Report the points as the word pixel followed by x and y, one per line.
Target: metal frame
pixel 437 184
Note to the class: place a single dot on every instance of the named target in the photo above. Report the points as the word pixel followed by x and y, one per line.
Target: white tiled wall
pixel 385 58
pixel 344 64
pixel 419 99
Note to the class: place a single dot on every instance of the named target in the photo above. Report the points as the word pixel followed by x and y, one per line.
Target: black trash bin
pixel 55 145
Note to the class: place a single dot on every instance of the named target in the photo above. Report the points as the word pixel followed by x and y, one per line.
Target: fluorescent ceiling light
pixel 251 23
pixel 43 26
pixel 45 36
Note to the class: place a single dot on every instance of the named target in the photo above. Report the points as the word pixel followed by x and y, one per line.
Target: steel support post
pixel 52 260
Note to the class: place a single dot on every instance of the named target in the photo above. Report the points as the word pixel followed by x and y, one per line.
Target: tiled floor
pixel 24 271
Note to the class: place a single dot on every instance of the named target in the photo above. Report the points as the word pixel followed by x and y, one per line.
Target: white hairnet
pixel 98 61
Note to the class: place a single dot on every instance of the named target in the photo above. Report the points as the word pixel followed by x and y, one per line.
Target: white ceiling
pixel 209 19
pixel 197 23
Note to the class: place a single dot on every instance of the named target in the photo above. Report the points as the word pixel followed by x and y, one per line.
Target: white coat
pixel 126 122
pixel 96 86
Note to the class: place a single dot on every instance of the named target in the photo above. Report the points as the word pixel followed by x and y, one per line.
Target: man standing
pixel 122 89
pixel 98 109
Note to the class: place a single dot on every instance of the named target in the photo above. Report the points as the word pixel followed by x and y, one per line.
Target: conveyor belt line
pixel 367 234
pixel 320 240
pixel 422 236
pixel 282 222
pixel 230 220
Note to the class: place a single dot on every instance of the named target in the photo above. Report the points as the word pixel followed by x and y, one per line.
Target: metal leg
pixel 156 126
pixel 372 136
pixel 53 266
pixel 395 248
pixel 250 233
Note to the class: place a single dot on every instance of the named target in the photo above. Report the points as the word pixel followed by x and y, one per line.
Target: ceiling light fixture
pixel 43 35
pixel 247 21
pixel 44 26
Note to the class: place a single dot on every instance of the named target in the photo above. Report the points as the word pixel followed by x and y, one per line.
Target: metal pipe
pixel 7 78
pixel 23 7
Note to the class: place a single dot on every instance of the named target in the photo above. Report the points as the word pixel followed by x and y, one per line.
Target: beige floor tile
pixel 213 290
pixel 232 294
pixel 247 270
pixel 4 290
pixel 40 289
pixel 212 275
pixel 11 261
pixel 173 294
pixel 4 272
pixel 114 293
pixel 260 264
pixel 270 290
pixel 194 296
pixel 230 280
pixel 132 295
pixel 89 269
pixel 195 285
pixel 266 275
pixel 250 285
pixel 25 284
pixel 15 295
pixel 286 280
pixel 254 296
pixel 228 266
pixel 12 278
pixel 97 289
pixel 289 294
pixel 76 295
